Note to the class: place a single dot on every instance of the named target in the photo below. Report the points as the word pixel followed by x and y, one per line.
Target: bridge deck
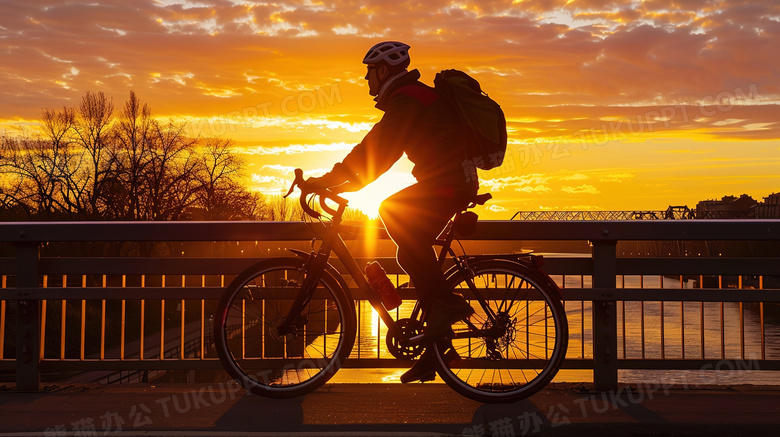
pixel 389 409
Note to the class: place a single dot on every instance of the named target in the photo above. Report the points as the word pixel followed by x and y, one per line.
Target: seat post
pixel 445 238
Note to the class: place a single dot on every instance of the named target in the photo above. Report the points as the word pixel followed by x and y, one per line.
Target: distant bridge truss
pixel 671 213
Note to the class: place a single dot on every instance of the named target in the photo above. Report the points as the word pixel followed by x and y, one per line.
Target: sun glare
pixel 369 198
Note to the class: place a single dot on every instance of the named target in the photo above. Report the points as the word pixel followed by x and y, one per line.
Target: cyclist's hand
pixel 316 183
pixel 328 180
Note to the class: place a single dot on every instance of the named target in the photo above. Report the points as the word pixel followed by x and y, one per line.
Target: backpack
pixel 482 120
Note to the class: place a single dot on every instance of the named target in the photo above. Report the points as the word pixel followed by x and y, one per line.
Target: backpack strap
pixel 423 94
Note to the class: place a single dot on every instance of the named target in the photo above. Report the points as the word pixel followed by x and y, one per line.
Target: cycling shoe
pixel 424 369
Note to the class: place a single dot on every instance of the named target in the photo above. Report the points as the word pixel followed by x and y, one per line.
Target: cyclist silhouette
pixel 420 123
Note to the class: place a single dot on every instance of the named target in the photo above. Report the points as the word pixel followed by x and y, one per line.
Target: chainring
pixel 408 328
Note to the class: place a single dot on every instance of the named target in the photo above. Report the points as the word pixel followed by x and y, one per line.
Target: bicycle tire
pixel 527 350
pixel 282 366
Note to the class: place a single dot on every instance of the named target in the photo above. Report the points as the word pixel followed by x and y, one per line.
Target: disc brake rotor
pixel 504 327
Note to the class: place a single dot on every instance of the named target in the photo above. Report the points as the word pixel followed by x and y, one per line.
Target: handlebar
pixel 323 193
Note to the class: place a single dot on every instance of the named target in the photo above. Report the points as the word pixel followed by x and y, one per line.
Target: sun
pixel 371 196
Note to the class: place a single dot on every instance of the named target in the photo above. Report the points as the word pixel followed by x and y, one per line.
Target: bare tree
pixel 171 177
pixel 278 208
pixel 90 164
pixel 58 126
pixel 93 120
pixel 217 170
pixel 131 156
pixel 11 179
pixel 32 174
pixel 222 195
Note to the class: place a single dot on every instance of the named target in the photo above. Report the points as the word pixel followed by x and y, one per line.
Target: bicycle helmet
pixel 394 53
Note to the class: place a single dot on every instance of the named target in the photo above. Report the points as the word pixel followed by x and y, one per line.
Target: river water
pixel 651 330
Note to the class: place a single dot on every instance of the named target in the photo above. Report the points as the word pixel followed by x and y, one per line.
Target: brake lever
pixel 297 181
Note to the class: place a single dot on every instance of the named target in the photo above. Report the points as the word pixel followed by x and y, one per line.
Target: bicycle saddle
pixel 466 221
pixel 480 199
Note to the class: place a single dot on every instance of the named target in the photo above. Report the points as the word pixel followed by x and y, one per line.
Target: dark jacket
pixel 420 123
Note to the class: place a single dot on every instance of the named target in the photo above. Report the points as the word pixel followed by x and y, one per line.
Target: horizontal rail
pixel 387 363
pixel 231 266
pixel 726 230
pixel 672 295
pixel 572 294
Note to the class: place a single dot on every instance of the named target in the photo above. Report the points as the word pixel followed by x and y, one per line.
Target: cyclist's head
pixel 393 54
pixel 384 61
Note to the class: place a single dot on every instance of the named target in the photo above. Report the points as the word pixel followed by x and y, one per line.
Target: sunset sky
pixel 611 105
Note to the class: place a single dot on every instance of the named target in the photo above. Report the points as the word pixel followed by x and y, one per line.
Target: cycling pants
pixel 414 217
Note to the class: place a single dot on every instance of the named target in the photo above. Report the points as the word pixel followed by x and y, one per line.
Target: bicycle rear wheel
pixel 513 348
pixel 266 362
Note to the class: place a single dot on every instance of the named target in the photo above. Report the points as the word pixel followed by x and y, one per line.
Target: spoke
pixel 543 308
pixel 260 306
pixel 508 287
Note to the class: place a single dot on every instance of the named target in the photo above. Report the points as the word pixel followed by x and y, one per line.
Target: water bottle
pixel 382 286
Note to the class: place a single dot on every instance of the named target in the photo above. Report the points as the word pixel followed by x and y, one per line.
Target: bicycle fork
pixel 313 269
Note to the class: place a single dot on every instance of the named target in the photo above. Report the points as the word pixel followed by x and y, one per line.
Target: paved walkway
pixel 387 410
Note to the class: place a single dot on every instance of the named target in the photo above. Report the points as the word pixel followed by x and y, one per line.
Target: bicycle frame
pixel 333 243
pixel 315 266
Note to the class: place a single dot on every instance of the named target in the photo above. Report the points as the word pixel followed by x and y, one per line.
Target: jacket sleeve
pixel 383 145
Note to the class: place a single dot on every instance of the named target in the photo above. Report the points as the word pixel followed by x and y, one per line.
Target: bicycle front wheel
pixel 514 343
pixel 285 365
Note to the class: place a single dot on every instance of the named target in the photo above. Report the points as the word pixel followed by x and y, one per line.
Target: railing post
pixel 28 320
pixel 605 369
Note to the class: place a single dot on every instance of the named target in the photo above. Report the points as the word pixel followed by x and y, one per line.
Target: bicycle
pixel 284 326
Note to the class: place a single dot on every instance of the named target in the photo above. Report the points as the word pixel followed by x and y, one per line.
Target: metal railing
pixel 70 309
